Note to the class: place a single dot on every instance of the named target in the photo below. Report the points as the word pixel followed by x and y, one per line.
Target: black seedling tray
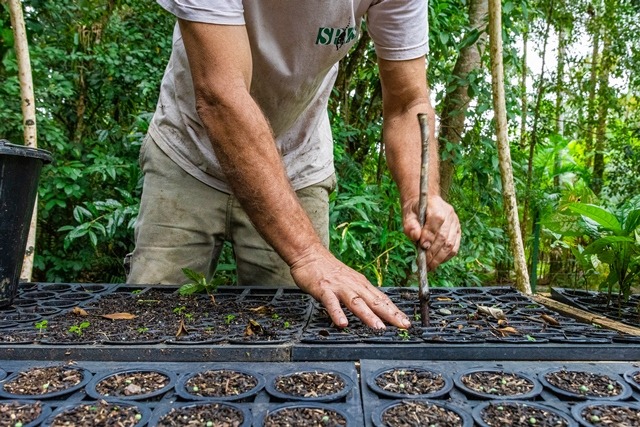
pixel 284 324
pixel 460 331
pixel 600 304
pixel 258 404
pixel 457 399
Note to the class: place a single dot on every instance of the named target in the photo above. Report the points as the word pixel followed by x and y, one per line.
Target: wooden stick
pixel 423 202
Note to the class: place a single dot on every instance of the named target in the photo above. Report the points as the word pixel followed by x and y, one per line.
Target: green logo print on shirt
pixel 336 36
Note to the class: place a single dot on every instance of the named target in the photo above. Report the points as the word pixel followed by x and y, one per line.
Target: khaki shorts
pixel 184 223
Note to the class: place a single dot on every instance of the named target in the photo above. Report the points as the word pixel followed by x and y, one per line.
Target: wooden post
pixel 28 113
pixel 504 153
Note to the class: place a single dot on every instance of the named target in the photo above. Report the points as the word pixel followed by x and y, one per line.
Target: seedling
pixel 79 328
pixel 286 325
pixel 199 284
pixel 179 310
pixel 404 334
pixel 275 316
pixel 142 330
pixel 229 318
pixel 584 389
pixel 41 325
pixel 533 421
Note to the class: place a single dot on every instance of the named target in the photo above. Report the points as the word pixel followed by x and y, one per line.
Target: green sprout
pixel 41 325
pixel 229 318
pixel 404 334
pixel 198 283
pixel 583 389
pixel 79 328
pixel 286 325
pixel 179 310
pixel 142 330
pixel 533 420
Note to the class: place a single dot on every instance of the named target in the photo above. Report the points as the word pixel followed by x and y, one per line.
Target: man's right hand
pixel 331 282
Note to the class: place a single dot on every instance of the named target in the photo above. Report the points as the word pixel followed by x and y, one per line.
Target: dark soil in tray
pixel 608 415
pixel 410 413
pixel 497 383
pixel 310 384
pixel 516 414
pixel 132 383
pixel 221 383
pixel 98 414
pixel 41 381
pixel 612 306
pixel 304 416
pixel 204 414
pixel 12 413
pixel 584 383
pixel 410 381
pixel 162 314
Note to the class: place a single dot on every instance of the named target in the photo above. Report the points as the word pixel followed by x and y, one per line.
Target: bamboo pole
pixel 504 153
pixel 28 113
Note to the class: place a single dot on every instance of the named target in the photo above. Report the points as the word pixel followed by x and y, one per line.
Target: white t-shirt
pixel 295 46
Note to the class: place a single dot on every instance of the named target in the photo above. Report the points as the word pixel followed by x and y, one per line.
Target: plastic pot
pixel 583 414
pixel 94 385
pixel 195 410
pixel 549 412
pixel 377 417
pixel 272 389
pixel 111 410
pixel 447 383
pixel 45 410
pixel 19 175
pixel 625 389
pixel 328 409
pixel 86 377
pixel 536 387
pixel 185 387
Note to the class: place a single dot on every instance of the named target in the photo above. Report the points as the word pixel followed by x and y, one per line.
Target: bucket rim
pixel 7 148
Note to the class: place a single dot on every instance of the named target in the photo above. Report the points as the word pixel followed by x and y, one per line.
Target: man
pixel 240 146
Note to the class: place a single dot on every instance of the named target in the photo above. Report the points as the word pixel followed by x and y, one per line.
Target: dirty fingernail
pixel 379 325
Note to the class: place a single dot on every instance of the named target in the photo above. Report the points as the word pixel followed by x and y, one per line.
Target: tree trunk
pixel 591 109
pixel 534 130
pixel 504 153
pixel 523 89
pixel 555 256
pixel 28 114
pixel 456 102
pixel 557 164
pixel 603 110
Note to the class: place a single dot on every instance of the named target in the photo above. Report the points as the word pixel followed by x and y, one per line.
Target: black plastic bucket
pixel 19 174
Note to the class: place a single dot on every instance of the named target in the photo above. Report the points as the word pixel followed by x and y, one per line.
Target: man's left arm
pixel 405 94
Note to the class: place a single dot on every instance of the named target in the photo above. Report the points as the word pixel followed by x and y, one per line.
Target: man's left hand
pixel 440 236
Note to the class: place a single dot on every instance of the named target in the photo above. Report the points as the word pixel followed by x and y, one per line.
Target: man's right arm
pixel 220 62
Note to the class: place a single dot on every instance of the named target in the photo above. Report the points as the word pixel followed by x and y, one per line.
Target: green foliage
pixel 613 239
pixel 96 69
pixel 199 283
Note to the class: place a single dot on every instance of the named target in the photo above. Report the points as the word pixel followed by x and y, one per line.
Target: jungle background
pixel 572 104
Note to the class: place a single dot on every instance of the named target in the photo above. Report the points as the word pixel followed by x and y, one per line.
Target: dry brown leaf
pixel 79 311
pixel 182 329
pixel 263 309
pixel 509 330
pixel 503 323
pixel 119 316
pixel 443 299
pixel 550 320
pixel 253 328
pixel 496 313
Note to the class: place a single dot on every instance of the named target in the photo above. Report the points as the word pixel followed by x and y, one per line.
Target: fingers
pixel 441 234
pixel 334 284
pixel 374 309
